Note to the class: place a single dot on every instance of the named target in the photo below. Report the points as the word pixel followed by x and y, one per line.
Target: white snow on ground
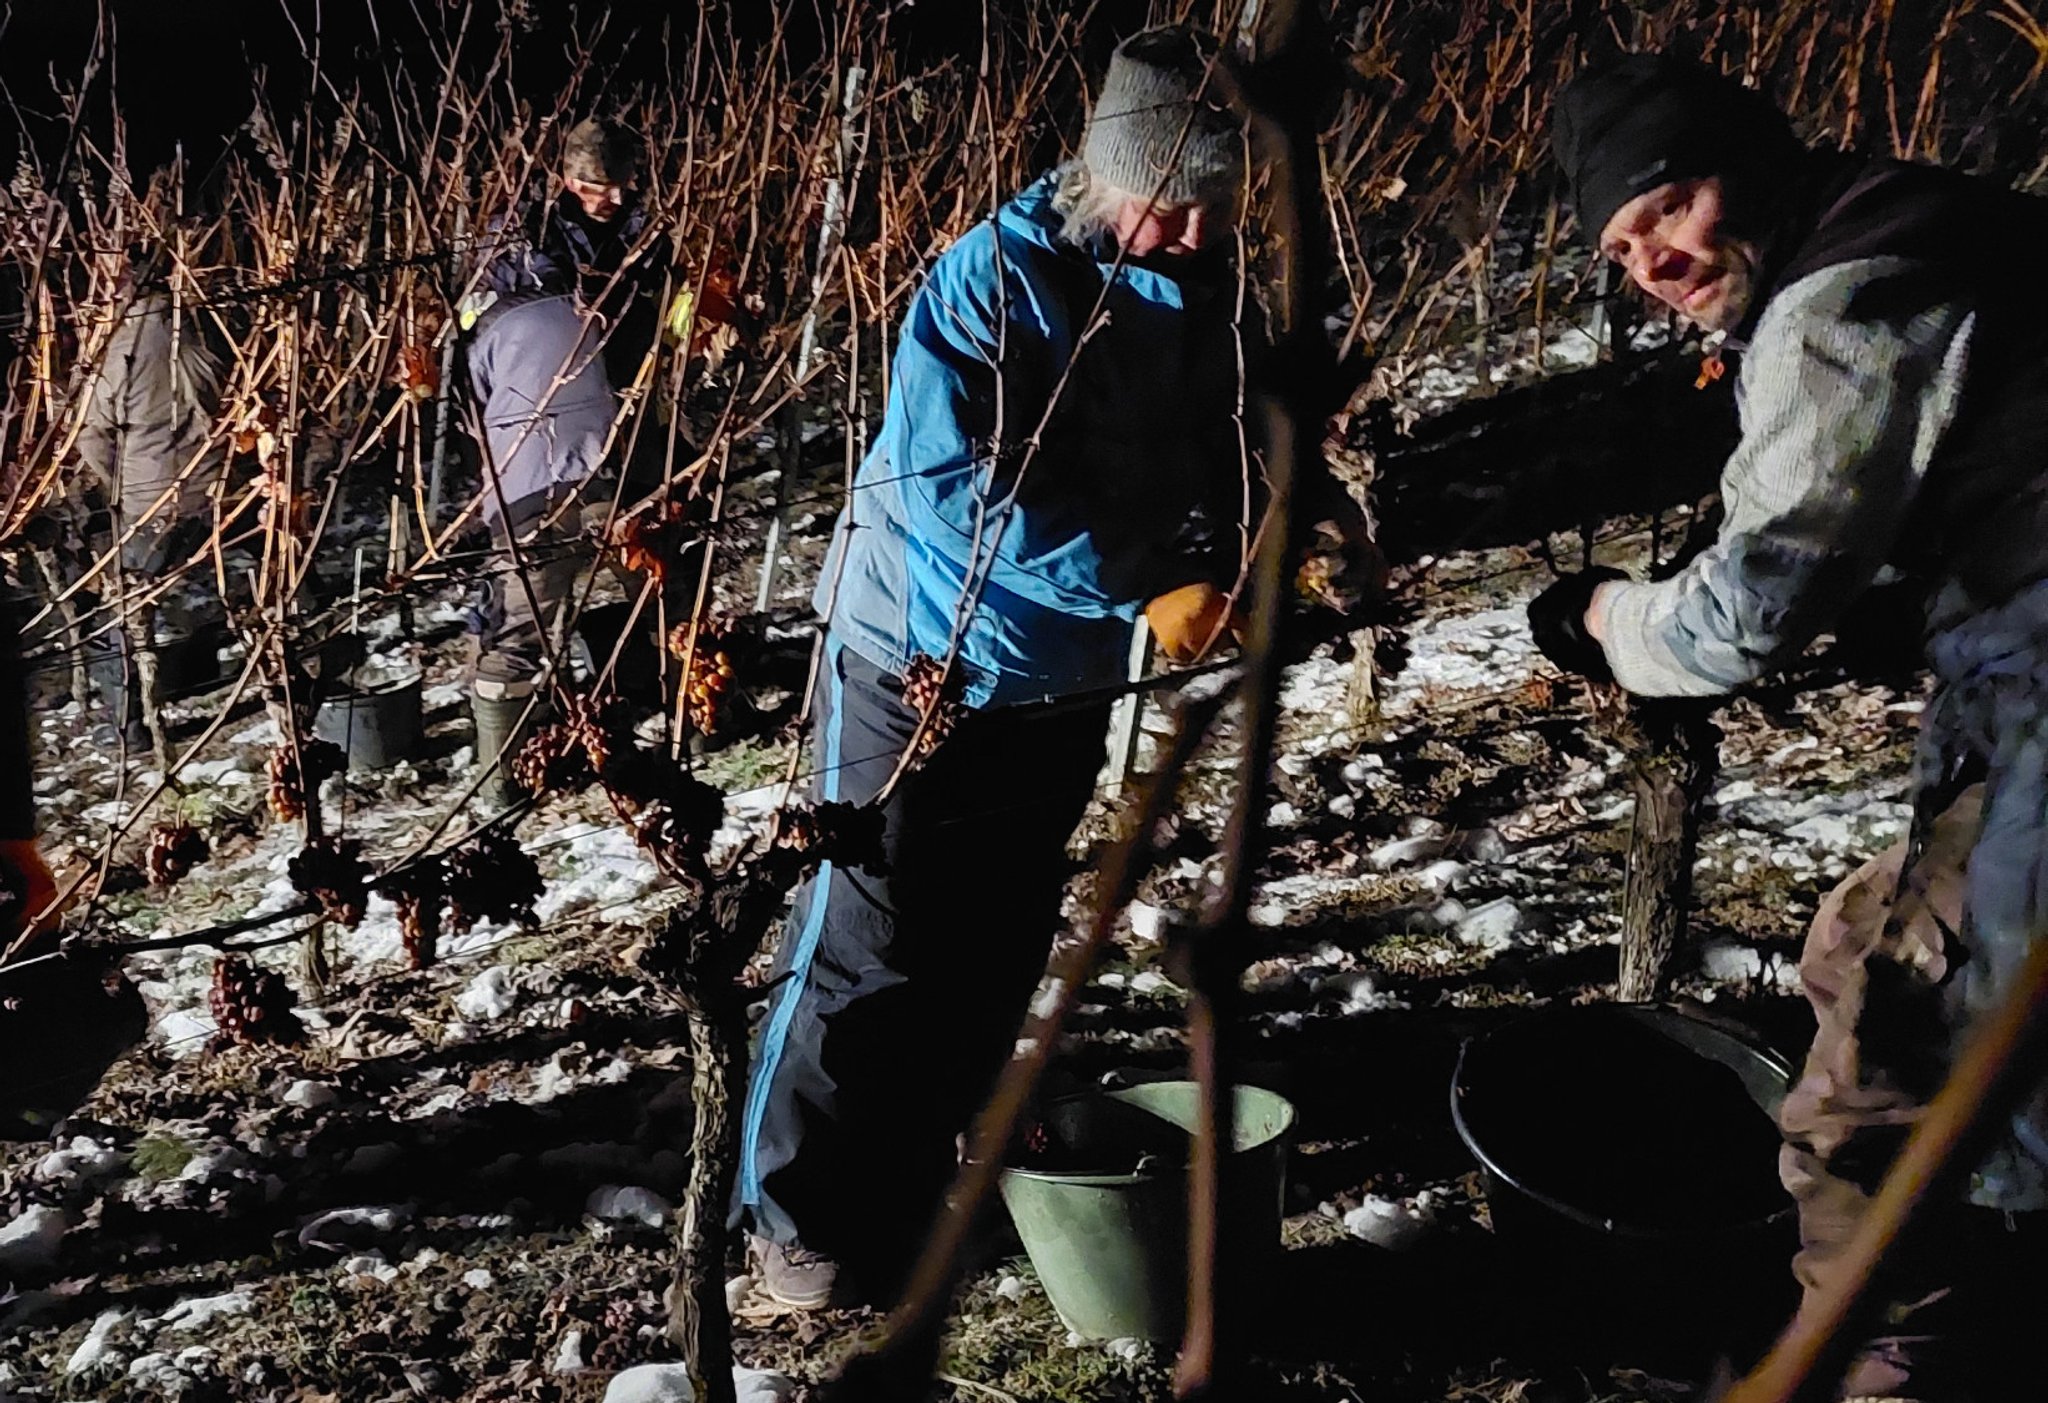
pixel 198 1312
pixel 628 1203
pixel 1811 835
pixel 593 871
pixel 1478 652
pixel 1396 1224
pixel 597 870
pixel 1450 657
pixel 97 1349
pixel 31 1240
pixel 1727 962
pixel 1862 820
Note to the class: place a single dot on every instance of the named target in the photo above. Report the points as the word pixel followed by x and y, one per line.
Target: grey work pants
pixel 559 538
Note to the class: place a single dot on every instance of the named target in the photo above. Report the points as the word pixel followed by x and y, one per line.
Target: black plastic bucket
pixel 1629 1155
pixel 637 676
pixel 186 665
pixel 190 665
pixel 377 726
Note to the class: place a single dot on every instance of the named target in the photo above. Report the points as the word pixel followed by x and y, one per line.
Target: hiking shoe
pixel 795 1276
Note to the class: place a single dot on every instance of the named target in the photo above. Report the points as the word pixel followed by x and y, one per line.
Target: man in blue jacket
pixel 1060 449
pixel 562 314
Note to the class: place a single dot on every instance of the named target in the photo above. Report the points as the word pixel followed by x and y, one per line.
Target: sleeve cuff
pixel 1636 620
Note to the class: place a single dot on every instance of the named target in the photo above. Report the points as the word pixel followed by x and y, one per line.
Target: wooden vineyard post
pixel 839 197
pixel 1362 687
pixel 699 1322
pixel 1673 750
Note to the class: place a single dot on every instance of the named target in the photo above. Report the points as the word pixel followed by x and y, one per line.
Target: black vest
pixel 1983 516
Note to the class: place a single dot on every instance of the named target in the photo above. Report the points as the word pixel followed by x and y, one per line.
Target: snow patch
pixel 32 1238
pixel 569 1354
pixel 613 1203
pixel 84 1158
pixel 96 1350
pixel 1491 927
pixel 489 995
pixel 197 1312
pixel 310 1095
pixel 1396 1224
pixel 1403 851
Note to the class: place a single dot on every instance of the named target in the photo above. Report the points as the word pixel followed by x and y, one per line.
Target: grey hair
pixel 1086 204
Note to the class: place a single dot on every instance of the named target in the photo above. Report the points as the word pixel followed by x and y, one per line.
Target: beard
pixel 1730 294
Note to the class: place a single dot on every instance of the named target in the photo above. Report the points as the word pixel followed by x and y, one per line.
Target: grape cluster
pixel 418 891
pixel 568 754
pixel 252 1006
pixel 932 690
pixel 492 878
pixel 332 872
pixel 710 672
pixel 291 789
pixel 678 818
pixel 174 850
pixel 847 835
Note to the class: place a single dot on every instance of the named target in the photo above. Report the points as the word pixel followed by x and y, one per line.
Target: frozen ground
pixel 451 1192
pixel 457 1190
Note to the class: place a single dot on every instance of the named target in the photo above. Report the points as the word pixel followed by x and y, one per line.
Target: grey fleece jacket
pixel 151 410
pixel 1842 417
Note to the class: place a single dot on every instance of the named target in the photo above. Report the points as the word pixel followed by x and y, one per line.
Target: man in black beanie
pixel 1893 394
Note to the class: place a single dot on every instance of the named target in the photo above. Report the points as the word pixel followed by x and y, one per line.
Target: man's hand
pixel 1188 621
pixel 1557 621
pixel 26 888
pixel 1342 568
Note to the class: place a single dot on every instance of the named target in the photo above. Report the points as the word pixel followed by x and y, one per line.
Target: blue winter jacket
pixel 1134 488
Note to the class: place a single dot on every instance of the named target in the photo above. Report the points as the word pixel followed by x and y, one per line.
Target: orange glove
pixel 1188 621
pixel 23 872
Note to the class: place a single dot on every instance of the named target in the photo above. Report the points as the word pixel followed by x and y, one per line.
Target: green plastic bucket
pixel 1103 1210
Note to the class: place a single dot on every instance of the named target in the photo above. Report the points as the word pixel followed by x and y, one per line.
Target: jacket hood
pixel 1029 215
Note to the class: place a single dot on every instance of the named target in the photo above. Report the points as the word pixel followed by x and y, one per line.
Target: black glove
pixel 1557 621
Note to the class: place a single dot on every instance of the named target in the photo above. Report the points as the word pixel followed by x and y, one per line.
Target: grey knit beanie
pixel 602 152
pixel 1148 98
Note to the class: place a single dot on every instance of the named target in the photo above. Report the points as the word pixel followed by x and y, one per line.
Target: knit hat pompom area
pixel 1624 128
pixel 1153 93
pixel 602 152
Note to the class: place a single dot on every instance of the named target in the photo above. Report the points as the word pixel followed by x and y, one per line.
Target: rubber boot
pixel 498 730
pixel 119 683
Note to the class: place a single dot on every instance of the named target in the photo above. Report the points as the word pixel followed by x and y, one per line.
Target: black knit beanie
pixel 1648 119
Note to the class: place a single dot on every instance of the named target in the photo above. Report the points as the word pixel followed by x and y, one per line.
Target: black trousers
pixel 905 988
